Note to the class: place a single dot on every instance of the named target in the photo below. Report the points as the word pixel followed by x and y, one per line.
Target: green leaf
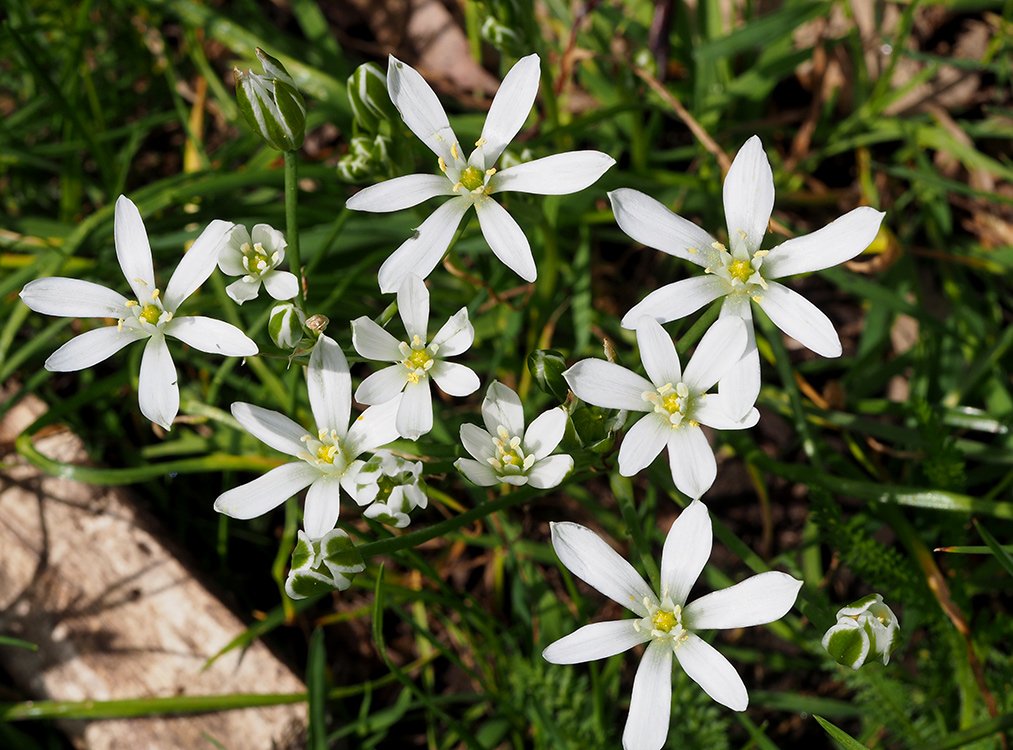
pixel 6 640
pixel 316 685
pixel 1005 558
pixel 842 738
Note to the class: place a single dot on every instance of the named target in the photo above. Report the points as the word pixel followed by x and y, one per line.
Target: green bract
pixel 271 104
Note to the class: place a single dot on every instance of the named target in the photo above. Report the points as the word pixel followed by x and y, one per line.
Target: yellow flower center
pixel 472 178
pixel 150 314
pixel 510 457
pixel 673 403
pixel 664 621
pixel 326 453
pixel 418 359
pixel 740 270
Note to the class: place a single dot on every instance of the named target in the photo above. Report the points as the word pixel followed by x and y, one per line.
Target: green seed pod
pixel 272 105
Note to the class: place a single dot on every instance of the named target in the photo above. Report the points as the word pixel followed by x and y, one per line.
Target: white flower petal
pixel 73 298
pixel 657 352
pixel 374 427
pixel 157 389
pixel 550 471
pixel 243 291
pixel 454 379
pixel 196 264
pixel 837 242
pixel 383 385
pixel 271 428
pixel 271 239
pixel 741 384
pixel 323 505
pixel 545 432
pixel 330 386
pixel 651 701
pixel 598 640
pixel 420 108
pixel 692 461
pixel 281 285
pixel 478 473
pixel 642 444
pixel 211 336
pixel 230 259
pixel 415 417
pixel 687 549
pixel 455 336
pixel 413 304
pixel 558 174
pixel 757 600
pixel 715 411
pixel 420 253
pixel 400 193
pixel 502 406
pixel 510 107
pixel 506 239
pixel 650 223
pixel 132 249
pixel 593 561
pixel 800 319
pixel 607 384
pixel 721 347
pixel 374 342
pixel 266 492
pixel 713 672
pixel 477 442
pixel 748 198
pixel 677 300
pixel 90 348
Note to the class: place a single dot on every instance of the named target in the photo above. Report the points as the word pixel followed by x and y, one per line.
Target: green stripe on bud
pixel 867 626
pixel 285 325
pixel 272 105
pixel 367 93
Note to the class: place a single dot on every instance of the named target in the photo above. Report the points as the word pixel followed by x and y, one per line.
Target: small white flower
pixel 676 402
pixel 391 487
pixel 256 259
pixel 472 180
pixel 746 272
pixel 666 621
pixel 150 315
pixel 506 452
pixel 416 361
pixel 863 628
pixel 328 459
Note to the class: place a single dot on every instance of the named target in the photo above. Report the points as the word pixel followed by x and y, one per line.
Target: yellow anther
pixel 480 142
pixel 692 250
pixel 132 303
pixel 490 171
pixel 443 164
pixel 326 453
pixel 413 377
pixel 757 298
pixel 453 150
pixel 154 294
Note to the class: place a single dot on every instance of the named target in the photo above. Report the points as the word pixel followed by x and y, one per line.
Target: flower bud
pixel 286 325
pixel 317 323
pixel 367 159
pixel 271 104
pixel 865 627
pixel 547 366
pixel 367 93
pixel 320 565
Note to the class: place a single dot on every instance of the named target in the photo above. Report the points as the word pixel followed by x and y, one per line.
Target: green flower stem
pixel 292 220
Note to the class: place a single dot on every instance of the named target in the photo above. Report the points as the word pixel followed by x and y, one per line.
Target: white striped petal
pixel 713 672
pixel 598 640
pixel 90 348
pixel 477 442
pixel 741 385
pixel 266 492
pixel 241 290
pixel 383 385
pixel 271 428
pixel 657 352
pixel 420 108
pixel 415 417
pixel 413 304
pixel 800 319
pixel 642 444
pixel 650 223
pixel 323 505
pixel 197 264
pixel 749 198
pixel 757 600
pixel 510 107
pixel 73 298
pixel 132 249
pixel 476 472
pixel 550 471
pixel 721 347
pixel 692 461
pixel 607 384
pixel 374 342
pixel 400 193
pixel 593 561
pixel 330 386
pixel 558 174
pixel 687 549
pixel 506 239
pixel 651 701
pixel 545 432
pixel 677 300
pixel 837 242
pixel 502 406
pixel 420 253
pixel 157 389
pixel 373 428
pixel 454 379
pixel 455 336
pixel 211 336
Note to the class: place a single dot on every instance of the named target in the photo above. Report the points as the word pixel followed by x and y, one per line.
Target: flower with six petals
pixel 256 259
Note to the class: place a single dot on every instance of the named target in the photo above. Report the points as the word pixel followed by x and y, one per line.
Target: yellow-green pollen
pixel 326 453
pixel 664 621
pixel 472 178
pixel 150 314
pixel 418 358
pixel 325 448
pixel 740 270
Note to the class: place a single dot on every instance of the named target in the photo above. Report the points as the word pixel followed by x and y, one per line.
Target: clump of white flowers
pixel 390 487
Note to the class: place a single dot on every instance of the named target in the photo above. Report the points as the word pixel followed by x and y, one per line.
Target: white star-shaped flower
pixel 676 402
pixel 256 259
pixel 506 452
pixel 745 273
pixel 472 181
pixel 150 315
pixel 416 361
pixel 328 459
pixel 665 621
